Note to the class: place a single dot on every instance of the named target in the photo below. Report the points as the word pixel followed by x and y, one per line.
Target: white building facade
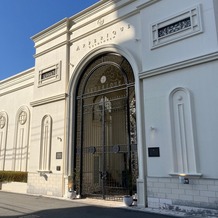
pixel 122 100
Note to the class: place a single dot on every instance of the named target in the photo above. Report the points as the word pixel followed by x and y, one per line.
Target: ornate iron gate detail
pixel 106 163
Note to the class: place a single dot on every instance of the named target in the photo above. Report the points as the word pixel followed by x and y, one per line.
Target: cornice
pixel 51 49
pixel 17 89
pixel 180 65
pixel 50 30
pixel 48 100
pixel 87 15
pixel 26 76
pixel 146 4
pixel 92 10
pixel 50 39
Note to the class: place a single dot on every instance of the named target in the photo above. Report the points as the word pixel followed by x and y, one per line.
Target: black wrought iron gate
pixel 106 151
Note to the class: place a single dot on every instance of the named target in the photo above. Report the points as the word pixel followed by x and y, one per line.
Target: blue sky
pixel 22 19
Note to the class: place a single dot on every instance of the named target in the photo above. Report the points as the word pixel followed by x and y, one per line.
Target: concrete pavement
pixel 30 206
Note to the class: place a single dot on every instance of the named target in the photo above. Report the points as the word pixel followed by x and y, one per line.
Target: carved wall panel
pixel 3 138
pixel 45 144
pixel 21 140
pixel 183 140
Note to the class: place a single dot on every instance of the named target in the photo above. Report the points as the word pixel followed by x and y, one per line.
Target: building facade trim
pixel 48 100
pixel 14 80
pixel 111 23
pixel 52 29
pixel 180 65
pixel 17 89
pixel 51 49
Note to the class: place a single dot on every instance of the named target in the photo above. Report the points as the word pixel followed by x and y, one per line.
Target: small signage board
pixel 58 155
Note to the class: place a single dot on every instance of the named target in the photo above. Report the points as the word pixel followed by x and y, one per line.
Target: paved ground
pixel 29 206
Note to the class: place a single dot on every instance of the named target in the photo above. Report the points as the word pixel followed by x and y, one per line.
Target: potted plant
pixel 128 200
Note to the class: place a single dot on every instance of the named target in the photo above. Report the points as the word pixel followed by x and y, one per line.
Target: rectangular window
pixel 50 74
pixel 177 27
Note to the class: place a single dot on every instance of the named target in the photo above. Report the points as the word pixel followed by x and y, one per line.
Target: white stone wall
pixel 166 192
pixel 18 187
pixel 47 184
pixel 185 63
pixel 182 48
pixel 15 96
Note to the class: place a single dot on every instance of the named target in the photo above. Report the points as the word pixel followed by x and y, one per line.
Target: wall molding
pixel 179 65
pixel 52 48
pixel 51 99
pixel 50 30
pixel 45 145
pixel 17 89
pixel 183 131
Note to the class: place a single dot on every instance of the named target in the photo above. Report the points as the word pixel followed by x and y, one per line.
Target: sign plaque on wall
pixel 58 155
pixel 154 152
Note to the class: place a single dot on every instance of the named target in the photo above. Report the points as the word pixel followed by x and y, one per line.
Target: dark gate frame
pixel 110 59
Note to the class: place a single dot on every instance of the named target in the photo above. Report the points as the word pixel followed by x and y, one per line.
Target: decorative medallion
pixel 100 21
pixel 22 117
pixel 2 122
pixel 116 148
pixel 92 150
pixel 180 98
pixel 103 79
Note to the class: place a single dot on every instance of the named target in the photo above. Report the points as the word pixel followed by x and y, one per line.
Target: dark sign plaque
pixel 154 152
pixel 58 155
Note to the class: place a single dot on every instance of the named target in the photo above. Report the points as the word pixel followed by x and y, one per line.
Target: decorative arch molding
pixel 72 87
pixel 21 140
pixel 45 144
pixel 136 66
pixel 183 132
pixel 3 138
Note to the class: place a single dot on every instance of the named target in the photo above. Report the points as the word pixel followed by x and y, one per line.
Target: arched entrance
pixel 106 163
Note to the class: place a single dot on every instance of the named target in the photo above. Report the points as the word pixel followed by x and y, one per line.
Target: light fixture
pixel 59 138
pixel 183 179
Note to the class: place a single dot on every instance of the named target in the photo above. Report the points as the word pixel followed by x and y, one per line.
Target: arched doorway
pixel 106 163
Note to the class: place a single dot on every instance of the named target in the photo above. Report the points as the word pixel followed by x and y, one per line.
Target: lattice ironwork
pixel 175 27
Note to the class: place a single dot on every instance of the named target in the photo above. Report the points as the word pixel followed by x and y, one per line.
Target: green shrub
pixel 12 176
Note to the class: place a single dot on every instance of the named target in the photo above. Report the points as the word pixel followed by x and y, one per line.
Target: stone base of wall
pixel 49 184
pixel 169 193
pixel 17 187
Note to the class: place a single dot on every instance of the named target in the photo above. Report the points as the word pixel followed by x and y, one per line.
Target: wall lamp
pixel 59 138
pixel 183 179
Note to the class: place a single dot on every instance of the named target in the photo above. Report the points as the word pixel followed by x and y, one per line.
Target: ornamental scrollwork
pixel 174 27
